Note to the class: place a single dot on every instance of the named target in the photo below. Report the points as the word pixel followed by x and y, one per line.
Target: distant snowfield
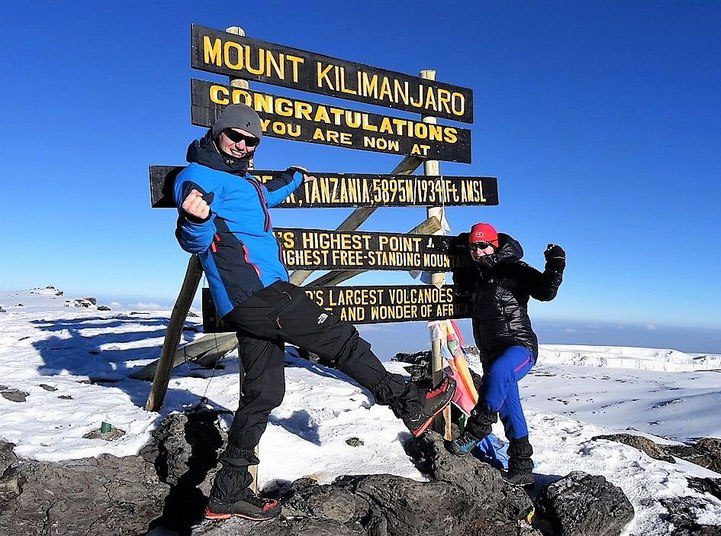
pixel 73 364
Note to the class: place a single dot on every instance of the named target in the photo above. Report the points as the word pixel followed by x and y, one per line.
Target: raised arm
pixel 287 183
pixel 544 285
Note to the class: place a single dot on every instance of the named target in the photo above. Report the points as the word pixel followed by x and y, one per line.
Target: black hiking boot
pixel 519 479
pixel 463 444
pixel 432 401
pixel 248 506
pixel 520 464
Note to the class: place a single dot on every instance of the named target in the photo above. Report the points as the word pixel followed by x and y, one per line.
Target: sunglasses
pixel 237 137
pixel 479 245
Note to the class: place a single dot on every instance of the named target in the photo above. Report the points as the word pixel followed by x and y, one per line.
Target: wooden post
pixel 433 167
pixel 172 336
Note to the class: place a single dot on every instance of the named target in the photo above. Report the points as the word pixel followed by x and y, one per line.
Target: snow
pixel 50 350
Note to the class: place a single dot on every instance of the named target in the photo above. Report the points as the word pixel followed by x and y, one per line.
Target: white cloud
pixel 148 306
pixel 651 327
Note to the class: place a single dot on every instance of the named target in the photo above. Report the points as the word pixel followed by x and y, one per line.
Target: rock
pixel 19 305
pixel 354 442
pixel 706 452
pixel 48 387
pixel 418 358
pixel 2 310
pixel 93 301
pixel 184 450
pixel 84 303
pixel 279 526
pixel 585 505
pixel 711 486
pixel 104 308
pixel 138 313
pixel 645 445
pixel 683 512
pixel 13 395
pixel 193 314
pixel 103 495
pixel 112 435
pixel 490 501
pixel 65 397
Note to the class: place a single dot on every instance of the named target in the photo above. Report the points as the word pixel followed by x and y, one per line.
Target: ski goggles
pixel 237 137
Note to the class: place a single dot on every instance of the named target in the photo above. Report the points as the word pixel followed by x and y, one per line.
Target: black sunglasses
pixel 479 245
pixel 237 137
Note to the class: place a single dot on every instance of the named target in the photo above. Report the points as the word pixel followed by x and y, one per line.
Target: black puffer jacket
pixel 500 298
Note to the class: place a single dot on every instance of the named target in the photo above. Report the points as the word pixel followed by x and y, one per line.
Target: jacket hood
pixel 206 153
pixel 509 249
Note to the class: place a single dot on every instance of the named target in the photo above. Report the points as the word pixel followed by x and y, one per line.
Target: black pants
pixel 272 316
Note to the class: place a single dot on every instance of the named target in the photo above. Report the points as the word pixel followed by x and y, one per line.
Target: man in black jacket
pixel 502 285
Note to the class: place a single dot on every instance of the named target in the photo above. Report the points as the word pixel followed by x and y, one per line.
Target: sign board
pixel 241 57
pixel 318 249
pixel 372 304
pixel 293 119
pixel 356 190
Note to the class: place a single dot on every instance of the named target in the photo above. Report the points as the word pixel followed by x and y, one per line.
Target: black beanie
pixel 238 116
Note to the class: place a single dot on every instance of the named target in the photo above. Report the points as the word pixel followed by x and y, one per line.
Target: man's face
pixel 237 143
pixel 480 249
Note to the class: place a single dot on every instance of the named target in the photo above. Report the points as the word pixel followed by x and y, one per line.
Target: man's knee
pixel 264 397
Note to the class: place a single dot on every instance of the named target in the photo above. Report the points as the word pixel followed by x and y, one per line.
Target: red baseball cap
pixel 483 232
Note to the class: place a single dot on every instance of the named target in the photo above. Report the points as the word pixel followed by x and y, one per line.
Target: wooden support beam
pixel 206 350
pixel 175 329
pixel 406 167
pixel 430 226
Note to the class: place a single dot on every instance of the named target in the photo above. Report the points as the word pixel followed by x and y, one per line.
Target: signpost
pixel 342 190
pixel 295 119
pixel 345 251
pixel 253 59
pixel 318 249
pixel 371 304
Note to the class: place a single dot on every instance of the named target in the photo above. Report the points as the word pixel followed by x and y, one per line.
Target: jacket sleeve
pixel 280 188
pixel 542 285
pixel 194 235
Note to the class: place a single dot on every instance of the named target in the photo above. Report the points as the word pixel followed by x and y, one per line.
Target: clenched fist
pixel 196 206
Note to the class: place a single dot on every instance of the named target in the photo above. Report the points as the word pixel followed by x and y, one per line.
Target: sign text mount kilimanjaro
pixel 222 53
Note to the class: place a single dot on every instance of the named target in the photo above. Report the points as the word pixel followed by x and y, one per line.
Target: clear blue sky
pixel 602 121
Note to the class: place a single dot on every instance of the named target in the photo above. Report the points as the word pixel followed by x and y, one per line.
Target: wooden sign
pixel 318 249
pixel 356 190
pixel 240 57
pixel 372 304
pixel 293 119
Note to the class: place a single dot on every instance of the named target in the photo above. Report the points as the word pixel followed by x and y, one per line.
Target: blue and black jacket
pixel 235 244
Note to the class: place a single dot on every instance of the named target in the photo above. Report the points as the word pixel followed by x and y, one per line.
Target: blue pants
pixel 500 388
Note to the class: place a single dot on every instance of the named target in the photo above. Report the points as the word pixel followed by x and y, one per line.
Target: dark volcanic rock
pixel 354 442
pixel 683 512
pixel 706 452
pixel 103 495
pixel 13 395
pixel 705 485
pixel 585 505
pixel 645 445
pixel 103 308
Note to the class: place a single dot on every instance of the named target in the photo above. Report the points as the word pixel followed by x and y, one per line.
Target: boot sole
pixel 426 424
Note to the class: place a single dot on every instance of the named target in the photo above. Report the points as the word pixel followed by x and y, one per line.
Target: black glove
pixel 555 257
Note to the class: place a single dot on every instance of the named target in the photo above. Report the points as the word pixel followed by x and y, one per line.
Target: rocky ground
pixel 164 488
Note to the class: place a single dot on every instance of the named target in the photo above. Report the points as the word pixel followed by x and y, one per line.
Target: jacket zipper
pixel 261 197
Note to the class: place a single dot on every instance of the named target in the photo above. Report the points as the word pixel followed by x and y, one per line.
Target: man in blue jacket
pixel 224 219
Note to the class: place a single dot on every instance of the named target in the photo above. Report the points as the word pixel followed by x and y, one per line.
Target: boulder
pixel 645 445
pixel 13 395
pixel 712 486
pixel 103 495
pixel 706 452
pixel 585 505
pixel 683 512
pixel 103 308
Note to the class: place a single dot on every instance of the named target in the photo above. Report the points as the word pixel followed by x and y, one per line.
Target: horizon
pixel 599 119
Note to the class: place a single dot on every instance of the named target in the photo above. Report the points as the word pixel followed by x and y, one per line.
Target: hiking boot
pixel 519 479
pixel 248 506
pixel 463 444
pixel 432 402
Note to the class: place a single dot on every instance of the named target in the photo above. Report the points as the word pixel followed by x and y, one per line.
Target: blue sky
pixel 601 120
